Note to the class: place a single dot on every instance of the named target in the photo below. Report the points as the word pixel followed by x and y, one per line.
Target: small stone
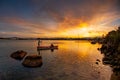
pixel 98 60
pixel 97 63
pixel 98 49
pixel 98 72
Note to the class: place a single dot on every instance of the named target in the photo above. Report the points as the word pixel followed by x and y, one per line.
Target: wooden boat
pixel 47 47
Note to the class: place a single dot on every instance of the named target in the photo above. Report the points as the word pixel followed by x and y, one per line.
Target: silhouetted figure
pixel 51 45
pixel 39 42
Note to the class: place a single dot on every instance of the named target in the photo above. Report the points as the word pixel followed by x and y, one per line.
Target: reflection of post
pixel 38 51
pixel 52 50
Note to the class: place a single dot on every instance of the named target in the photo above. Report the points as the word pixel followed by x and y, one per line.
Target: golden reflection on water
pixel 79 57
pixel 82 48
pixel 74 60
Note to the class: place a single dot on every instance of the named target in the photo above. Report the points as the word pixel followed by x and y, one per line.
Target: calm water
pixel 74 60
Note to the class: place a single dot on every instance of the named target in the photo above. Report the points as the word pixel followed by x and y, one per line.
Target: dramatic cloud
pixel 51 18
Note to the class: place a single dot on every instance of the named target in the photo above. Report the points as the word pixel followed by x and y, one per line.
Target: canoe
pixel 47 47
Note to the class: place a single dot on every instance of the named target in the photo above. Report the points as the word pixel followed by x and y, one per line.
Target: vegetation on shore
pixel 111 50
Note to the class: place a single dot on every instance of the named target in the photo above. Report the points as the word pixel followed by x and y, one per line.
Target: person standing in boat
pixel 39 42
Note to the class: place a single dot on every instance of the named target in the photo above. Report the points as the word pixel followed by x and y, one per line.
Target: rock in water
pixel 32 61
pixel 19 55
pixel 96 62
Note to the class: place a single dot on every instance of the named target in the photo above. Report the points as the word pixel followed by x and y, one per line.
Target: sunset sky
pixel 58 18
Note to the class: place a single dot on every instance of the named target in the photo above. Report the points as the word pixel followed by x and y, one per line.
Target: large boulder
pixel 32 61
pixel 19 55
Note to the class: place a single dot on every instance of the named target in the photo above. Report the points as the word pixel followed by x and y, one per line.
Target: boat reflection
pixel 44 48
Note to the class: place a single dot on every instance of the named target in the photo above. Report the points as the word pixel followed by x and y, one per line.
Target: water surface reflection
pixel 74 60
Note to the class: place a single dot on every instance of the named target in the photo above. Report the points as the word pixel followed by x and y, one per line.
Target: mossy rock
pixel 19 55
pixel 32 61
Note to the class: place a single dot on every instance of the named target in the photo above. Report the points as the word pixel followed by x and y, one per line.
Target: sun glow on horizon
pixel 79 30
pixel 83 30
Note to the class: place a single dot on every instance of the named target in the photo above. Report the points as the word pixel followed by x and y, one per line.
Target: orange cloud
pixel 66 18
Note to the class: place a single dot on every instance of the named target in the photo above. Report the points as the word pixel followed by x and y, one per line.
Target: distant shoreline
pixel 49 38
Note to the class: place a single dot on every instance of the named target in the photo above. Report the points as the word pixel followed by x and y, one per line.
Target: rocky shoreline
pixel 111 50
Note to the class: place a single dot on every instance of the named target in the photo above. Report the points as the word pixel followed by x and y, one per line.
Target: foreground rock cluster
pixel 28 61
pixel 32 61
pixel 111 50
pixel 19 55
